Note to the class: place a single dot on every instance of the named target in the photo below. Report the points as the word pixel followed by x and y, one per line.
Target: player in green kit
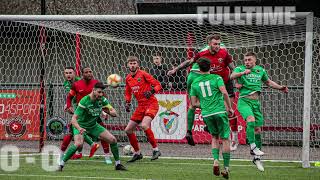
pixel 84 122
pixel 70 78
pixel 210 91
pixel 251 77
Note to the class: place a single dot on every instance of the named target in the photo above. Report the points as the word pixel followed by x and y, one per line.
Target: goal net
pixel 37 50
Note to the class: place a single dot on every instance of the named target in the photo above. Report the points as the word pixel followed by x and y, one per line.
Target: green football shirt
pixel 252 82
pixel 89 111
pixel 67 84
pixel 195 68
pixel 206 89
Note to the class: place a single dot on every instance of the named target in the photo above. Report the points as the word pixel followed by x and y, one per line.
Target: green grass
pixel 170 169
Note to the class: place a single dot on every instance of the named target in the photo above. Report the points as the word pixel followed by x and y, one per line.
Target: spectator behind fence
pixel 159 71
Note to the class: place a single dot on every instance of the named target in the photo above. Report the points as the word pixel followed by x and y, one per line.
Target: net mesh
pixel 105 45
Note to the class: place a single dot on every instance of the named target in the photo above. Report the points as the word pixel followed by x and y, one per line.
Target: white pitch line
pixel 166 157
pixel 172 163
pixel 197 164
pixel 77 177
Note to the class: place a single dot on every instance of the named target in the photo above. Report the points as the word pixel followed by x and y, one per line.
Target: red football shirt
pixel 140 83
pixel 219 62
pixel 80 89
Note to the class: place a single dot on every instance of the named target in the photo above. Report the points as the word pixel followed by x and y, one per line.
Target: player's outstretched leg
pixel 94 146
pixel 254 150
pixel 106 150
pixel 191 110
pixel 234 129
pixel 65 143
pixel 257 159
pixel 78 143
pixel 133 141
pixel 215 155
pixel 72 149
pixel 226 157
pixel 190 118
pixel 233 120
pixel 105 146
pixel 145 125
pixel 108 137
pixel 116 155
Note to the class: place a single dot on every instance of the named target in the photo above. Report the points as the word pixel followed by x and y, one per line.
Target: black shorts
pixel 229 87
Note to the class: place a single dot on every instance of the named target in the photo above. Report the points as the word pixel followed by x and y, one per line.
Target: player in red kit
pixel 80 89
pixel 221 64
pixel 143 86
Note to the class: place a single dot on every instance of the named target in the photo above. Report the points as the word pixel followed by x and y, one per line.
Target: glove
pixel 148 94
pixel 127 106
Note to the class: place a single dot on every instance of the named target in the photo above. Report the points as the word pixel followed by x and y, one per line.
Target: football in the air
pixel 127 150
pixel 114 80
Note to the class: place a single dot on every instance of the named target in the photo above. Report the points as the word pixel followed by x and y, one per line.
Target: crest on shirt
pixel 139 79
pixel 220 60
pixel 168 118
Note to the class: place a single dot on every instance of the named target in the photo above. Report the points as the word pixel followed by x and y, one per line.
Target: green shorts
pixel 93 132
pixel 191 77
pixel 218 125
pixel 251 107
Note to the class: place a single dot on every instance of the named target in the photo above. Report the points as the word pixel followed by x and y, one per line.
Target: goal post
pixel 289 53
pixel 307 91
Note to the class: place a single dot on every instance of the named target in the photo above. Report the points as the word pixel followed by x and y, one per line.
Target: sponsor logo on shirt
pixel 215 68
pixel 135 89
pixel 95 111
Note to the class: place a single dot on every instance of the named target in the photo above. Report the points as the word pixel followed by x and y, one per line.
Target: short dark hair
pixel 158 53
pixel 213 36
pixel 99 85
pixel 133 58
pixel 69 67
pixel 82 69
pixel 204 64
pixel 250 53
